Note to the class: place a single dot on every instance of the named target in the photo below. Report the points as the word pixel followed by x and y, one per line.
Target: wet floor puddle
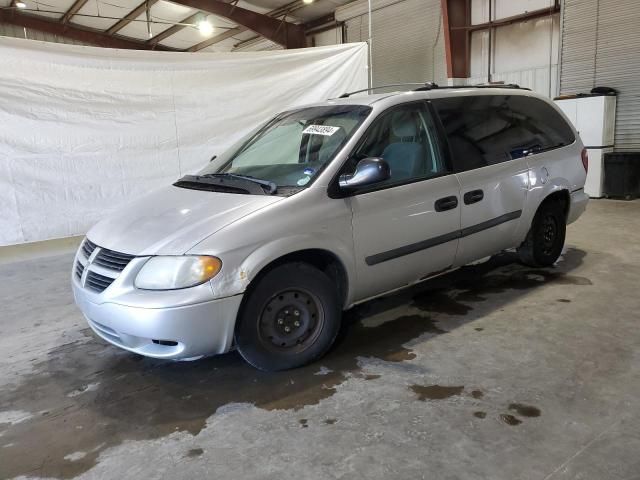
pixel 435 392
pixel 195 452
pixel 451 294
pixel 139 398
pixel 525 410
pixel 89 396
pixel 477 394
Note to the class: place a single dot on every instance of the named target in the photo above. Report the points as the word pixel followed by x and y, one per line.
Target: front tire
pixel 545 240
pixel 289 319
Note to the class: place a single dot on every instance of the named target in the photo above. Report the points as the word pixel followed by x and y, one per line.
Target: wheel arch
pixel 552 191
pixel 560 195
pixel 322 259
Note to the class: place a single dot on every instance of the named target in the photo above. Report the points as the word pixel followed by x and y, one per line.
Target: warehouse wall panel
pixel 579 31
pixel 525 53
pixel 332 36
pixel 408 39
pixel 504 8
pixel 600 44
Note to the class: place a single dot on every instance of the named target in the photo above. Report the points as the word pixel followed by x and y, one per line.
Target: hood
pixel 170 221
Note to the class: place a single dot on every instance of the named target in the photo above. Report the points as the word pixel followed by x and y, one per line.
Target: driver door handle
pixel 446 203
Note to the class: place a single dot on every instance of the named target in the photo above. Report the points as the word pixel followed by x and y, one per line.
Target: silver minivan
pixel 324 207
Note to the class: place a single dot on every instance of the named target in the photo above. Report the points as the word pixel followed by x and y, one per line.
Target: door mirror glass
pixel 368 171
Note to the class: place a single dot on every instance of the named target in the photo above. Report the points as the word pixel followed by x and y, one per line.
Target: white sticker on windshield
pixel 321 130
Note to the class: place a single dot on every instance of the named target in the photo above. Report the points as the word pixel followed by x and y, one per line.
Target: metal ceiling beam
pixel 73 9
pixel 132 15
pixel 82 34
pixel 318 25
pixel 285 9
pixel 174 29
pixel 217 39
pixel 281 32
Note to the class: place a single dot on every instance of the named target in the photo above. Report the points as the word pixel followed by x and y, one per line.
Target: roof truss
pixel 82 34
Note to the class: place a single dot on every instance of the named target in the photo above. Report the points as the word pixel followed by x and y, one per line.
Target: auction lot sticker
pixel 325 130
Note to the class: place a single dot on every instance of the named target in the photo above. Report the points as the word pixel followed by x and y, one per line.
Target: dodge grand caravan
pixel 324 207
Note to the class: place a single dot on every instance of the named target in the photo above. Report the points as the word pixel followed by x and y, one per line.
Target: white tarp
pixel 84 129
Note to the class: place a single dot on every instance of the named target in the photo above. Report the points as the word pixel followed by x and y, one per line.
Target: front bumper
pixel 179 333
pixel 174 324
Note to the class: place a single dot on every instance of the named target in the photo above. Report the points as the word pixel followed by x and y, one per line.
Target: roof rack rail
pixel 345 95
pixel 482 85
pixel 434 86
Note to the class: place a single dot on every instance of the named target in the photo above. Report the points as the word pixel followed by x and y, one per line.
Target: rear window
pixel 488 129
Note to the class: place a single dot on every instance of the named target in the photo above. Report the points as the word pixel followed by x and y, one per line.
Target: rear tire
pixel 545 240
pixel 289 319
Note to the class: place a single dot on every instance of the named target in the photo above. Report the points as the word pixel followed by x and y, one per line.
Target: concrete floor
pixel 493 372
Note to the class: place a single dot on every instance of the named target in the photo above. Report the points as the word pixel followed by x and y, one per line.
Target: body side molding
pixel 439 240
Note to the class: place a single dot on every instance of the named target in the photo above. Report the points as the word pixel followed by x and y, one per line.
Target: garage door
pixel 408 42
pixel 600 41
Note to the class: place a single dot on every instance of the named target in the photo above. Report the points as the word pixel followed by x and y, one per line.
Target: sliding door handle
pixel 474 196
pixel 446 203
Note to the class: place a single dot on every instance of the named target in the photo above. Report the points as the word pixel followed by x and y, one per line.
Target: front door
pixel 404 229
pixel 488 145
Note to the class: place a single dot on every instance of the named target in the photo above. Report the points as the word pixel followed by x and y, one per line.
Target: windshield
pixel 293 147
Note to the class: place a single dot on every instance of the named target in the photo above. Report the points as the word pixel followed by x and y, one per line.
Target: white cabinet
pixel 594 118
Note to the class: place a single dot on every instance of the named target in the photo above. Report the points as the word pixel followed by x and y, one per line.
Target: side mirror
pixel 213 158
pixel 368 171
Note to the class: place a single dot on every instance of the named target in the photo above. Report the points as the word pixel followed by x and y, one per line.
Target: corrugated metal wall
pixel 408 41
pixel 8 30
pixel 525 53
pixel 601 47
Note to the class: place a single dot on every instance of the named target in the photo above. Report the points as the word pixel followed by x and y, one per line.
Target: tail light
pixel 585 160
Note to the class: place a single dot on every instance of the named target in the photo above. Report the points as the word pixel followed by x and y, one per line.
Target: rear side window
pixel 488 129
pixel 541 122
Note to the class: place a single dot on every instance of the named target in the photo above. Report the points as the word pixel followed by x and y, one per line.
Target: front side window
pixel 294 147
pixel 406 138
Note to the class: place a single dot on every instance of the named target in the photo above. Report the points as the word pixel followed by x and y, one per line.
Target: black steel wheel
pixel 545 240
pixel 289 318
pixel 548 233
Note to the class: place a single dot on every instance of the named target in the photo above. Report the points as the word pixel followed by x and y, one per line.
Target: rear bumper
pixel 579 200
pixel 179 333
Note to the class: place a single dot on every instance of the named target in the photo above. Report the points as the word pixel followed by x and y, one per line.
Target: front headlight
pixel 172 273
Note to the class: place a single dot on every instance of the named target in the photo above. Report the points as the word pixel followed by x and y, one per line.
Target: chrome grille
pixel 79 270
pixel 112 260
pixel 108 264
pixel 88 247
pixel 96 282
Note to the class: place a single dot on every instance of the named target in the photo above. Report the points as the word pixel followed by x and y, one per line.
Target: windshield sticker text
pixel 321 130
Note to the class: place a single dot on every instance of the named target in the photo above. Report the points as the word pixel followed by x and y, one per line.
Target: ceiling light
pixel 205 27
pixel 21 5
pixel 307 1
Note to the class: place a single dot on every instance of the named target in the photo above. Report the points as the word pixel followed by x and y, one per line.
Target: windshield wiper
pixel 223 184
pixel 271 186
